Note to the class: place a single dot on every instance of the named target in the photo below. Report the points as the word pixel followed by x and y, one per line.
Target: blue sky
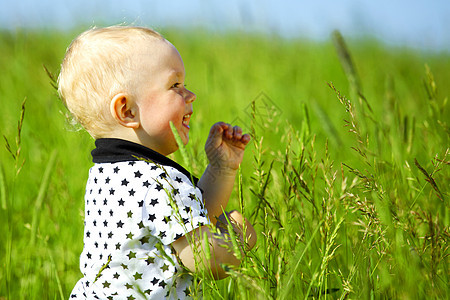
pixel 423 24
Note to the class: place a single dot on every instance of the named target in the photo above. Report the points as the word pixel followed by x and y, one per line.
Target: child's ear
pixel 124 111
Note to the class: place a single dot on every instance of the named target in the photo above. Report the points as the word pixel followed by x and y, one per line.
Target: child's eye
pixel 176 85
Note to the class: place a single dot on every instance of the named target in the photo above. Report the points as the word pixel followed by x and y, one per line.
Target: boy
pixel 148 222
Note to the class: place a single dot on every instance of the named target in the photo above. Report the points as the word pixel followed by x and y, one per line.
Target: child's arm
pixel 225 149
pixel 192 249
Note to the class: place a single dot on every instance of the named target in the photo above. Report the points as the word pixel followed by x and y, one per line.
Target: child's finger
pixel 229 131
pixel 217 129
pixel 237 132
pixel 246 139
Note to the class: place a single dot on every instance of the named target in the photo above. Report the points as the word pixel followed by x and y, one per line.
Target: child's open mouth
pixel 186 119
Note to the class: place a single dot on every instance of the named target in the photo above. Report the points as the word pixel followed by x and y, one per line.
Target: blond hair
pixel 96 67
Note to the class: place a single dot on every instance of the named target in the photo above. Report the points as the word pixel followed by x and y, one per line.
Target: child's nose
pixel 190 96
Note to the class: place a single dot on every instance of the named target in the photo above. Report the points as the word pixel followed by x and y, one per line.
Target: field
pixel 346 178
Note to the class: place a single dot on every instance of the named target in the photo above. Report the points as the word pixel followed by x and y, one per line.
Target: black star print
pixel 99 192
pixel 167 219
pixel 163 175
pixel 187 209
pixel 130 235
pixel 131 192
pixel 118 246
pixel 105 202
pixel 110 235
pixel 151 217
pixel 100 170
pixel 162 234
pixel 88 212
pixel 116 275
pixel 137 174
pixel 137 276
pixel 105 223
pixel 119 224
pixel 111 212
pixel 131 163
pixel 105 245
pixel 128 286
pixel 162 284
pixel 154 167
pixel 130 214
pixel 178 179
pixel 146 184
pixel 89 256
pixel 111 191
pixel 124 266
pixel 107 180
pixel 154 202
pixel 141 225
pixel 95 201
pixel 164 268
pixel 159 187
pixel 192 196
pixel 175 192
pixel 144 240
pixel 125 182
pixel 131 255
pixel 154 281
pixel 147 291
pixel 150 260
pixel 121 202
pixel 95 222
pixel 116 170
pixel 185 220
pixel 106 284
pixel 88 234
pixel 130 297
pixel 95 180
pixel 96 245
pixel 187 292
pixel 177 236
pixel 141 203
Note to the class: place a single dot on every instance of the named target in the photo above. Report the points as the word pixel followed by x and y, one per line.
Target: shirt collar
pixel 111 150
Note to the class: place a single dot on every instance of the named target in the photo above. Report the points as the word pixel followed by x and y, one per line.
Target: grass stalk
pixel 41 196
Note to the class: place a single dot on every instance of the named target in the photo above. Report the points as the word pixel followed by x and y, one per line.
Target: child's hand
pixel 225 146
pixel 239 222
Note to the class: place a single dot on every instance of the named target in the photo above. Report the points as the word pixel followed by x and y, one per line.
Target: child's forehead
pixel 152 47
pixel 157 62
pixel 159 54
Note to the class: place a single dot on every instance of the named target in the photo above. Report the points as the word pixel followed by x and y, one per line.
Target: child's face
pixel 162 97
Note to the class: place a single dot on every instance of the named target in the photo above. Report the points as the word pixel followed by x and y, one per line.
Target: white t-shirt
pixel 134 210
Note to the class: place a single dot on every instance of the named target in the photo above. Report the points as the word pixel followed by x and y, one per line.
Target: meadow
pixel 346 178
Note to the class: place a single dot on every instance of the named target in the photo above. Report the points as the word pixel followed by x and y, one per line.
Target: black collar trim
pixel 111 150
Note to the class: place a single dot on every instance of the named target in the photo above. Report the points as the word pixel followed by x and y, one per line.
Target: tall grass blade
pixel 3 189
pixel 290 281
pixel 346 61
pixel 41 195
pixel 348 65
pixel 430 180
pixel 180 144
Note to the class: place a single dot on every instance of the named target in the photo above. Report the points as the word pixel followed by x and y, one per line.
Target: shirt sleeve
pixel 173 206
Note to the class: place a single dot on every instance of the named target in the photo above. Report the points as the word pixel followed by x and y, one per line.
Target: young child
pixel 148 222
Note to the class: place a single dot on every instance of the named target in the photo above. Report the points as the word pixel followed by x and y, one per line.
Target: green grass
pixel 346 179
